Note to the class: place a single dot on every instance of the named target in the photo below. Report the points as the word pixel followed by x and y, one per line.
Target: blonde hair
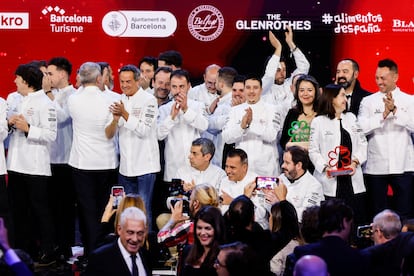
pixel 130 200
pixel 206 194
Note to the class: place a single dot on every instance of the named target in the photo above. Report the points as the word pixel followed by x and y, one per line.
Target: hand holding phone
pixel 266 182
pixel 118 193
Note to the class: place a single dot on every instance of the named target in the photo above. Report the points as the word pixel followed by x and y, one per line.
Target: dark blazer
pixel 338 255
pixel 388 258
pixel 108 260
pixel 357 97
pixel 20 269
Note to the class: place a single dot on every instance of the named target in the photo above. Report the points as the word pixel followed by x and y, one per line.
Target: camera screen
pixel 266 182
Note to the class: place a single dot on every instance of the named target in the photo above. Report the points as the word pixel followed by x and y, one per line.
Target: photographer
pixel 179 228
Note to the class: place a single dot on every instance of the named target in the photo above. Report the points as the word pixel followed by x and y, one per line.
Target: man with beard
pixel 347 73
pixel 161 84
pixel 276 84
pixel 303 190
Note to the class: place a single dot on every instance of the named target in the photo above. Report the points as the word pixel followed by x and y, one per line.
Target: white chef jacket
pixel 213 175
pixel 60 148
pixel 138 136
pixel 281 94
pixel 3 134
pixel 259 140
pixel 325 136
pixel 91 149
pixel 216 122
pixel 304 192
pixel 235 189
pixel 390 147
pixel 179 133
pixel 30 155
pixel 201 94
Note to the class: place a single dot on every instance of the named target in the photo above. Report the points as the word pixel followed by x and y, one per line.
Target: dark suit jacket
pixel 20 269
pixel 108 260
pixel 388 258
pixel 357 97
pixel 338 255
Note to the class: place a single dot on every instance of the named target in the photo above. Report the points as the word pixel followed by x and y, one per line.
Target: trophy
pixel 299 131
pixel 339 158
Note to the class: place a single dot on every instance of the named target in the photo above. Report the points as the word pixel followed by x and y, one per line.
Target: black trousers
pixel 63 206
pixel 93 188
pixel 29 203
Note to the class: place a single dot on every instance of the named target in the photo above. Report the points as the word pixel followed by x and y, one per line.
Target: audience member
pixel 386 117
pixel 253 126
pixel 337 143
pixel 127 255
pixel 135 117
pixel 179 228
pixel 242 227
pixel 209 234
pixel 310 265
pixel 93 156
pixel 236 259
pixel 180 122
pixel 28 163
pixel 13 261
pixel 309 228
pixel 335 221
pixel 284 217
pixel 347 72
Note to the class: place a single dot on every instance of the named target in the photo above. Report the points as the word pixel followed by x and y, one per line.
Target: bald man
pixel 310 265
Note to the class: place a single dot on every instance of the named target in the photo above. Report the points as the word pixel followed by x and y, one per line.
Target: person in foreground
pixel 335 221
pixel 17 267
pixel 209 234
pixel 126 256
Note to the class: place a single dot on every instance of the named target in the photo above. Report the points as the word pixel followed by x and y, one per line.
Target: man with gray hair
pixel 385 226
pixel 200 170
pixel 92 157
pixel 127 255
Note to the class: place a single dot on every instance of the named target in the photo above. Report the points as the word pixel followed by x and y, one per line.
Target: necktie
pixel 134 265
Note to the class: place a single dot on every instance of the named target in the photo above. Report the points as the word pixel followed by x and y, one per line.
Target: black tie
pixel 134 265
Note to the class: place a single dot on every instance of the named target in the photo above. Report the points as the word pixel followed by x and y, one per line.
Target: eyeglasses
pixel 218 264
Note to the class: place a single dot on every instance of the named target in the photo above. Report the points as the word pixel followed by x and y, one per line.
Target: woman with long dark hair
pixel 337 148
pixel 209 234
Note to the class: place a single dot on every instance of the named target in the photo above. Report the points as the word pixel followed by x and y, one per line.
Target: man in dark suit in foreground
pixel 126 256
pixel 335 221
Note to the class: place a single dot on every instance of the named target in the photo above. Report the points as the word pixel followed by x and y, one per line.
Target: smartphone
pixel 364 231
pixel 266 182
pixel 117 192
pixel 176 187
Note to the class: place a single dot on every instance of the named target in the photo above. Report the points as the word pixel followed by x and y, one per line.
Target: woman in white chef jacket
pixel 338 143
